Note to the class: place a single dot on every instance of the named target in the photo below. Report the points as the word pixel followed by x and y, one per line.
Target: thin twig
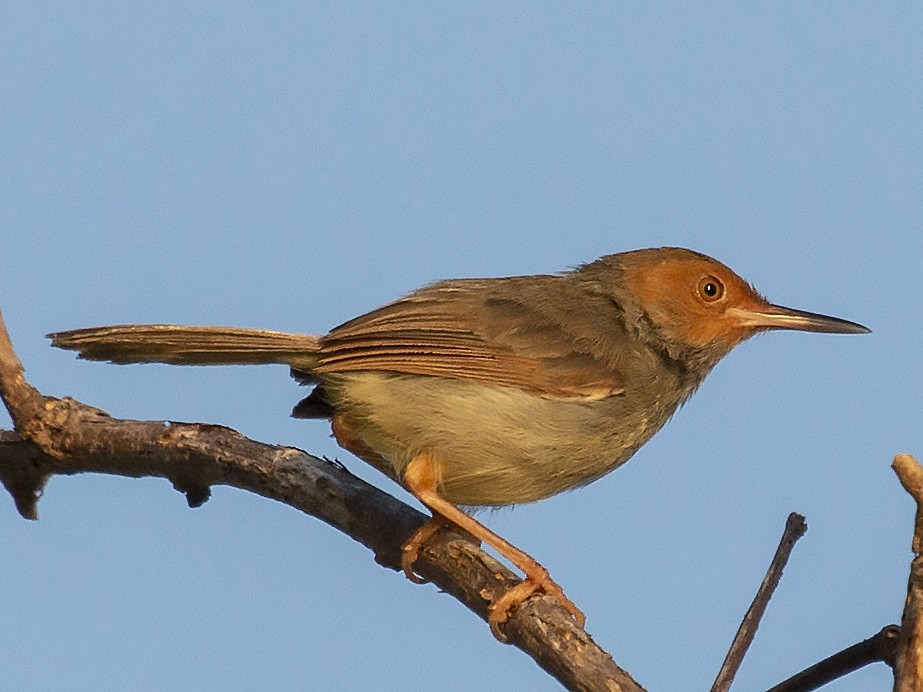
pixel 880 648
pixel 794 529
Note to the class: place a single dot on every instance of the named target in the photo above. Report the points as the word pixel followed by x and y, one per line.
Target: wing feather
pixel 507 332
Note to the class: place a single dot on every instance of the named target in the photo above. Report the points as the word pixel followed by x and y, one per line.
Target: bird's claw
pixel 501 609
pixel 410 551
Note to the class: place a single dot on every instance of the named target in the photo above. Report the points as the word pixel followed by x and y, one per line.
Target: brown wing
pixel 510 332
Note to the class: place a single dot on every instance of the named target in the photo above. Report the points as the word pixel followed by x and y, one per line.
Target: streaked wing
pixel 508 332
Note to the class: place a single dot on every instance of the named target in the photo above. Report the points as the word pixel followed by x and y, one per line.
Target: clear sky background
pixel 289 168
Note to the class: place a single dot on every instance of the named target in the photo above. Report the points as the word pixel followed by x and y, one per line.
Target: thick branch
pixel 64 436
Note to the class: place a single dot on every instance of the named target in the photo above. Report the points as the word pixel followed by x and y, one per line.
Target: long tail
pixel 165 343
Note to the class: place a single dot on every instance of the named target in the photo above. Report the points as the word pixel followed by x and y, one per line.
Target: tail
pixel 164 343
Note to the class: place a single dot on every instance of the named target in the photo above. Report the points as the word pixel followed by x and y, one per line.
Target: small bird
pixel 495 392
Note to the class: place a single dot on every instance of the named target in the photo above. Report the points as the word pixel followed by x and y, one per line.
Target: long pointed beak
pixel 778 317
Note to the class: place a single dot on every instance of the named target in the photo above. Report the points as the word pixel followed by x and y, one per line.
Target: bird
pixel 492 392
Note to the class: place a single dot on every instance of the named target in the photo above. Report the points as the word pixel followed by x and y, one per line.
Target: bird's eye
pixel 710 289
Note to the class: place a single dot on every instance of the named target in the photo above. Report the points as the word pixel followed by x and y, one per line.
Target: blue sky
pixel 290 167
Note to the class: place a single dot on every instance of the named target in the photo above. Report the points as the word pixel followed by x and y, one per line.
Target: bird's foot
pixel 537 580
pixel 410 551
pixel 421 477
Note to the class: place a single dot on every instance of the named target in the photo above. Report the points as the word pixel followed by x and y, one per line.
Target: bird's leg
pixel 348 438
pixel 421 479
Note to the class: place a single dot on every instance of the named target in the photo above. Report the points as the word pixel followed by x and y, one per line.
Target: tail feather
pixel 164 343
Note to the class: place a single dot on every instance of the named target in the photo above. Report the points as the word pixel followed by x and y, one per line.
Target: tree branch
pixel 880 647
pixel 64 436
pixel 908 663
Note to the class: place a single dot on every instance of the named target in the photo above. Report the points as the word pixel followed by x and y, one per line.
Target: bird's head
pixel 698 302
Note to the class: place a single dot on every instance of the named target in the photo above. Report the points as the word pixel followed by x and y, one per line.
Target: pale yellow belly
pixel 495 445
